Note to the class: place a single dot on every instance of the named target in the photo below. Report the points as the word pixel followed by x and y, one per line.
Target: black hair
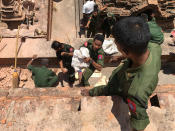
pixel 133 34
pixel 149 12
pixel 96 7
pixel 99 37
pixel 56 45
pixel 144 16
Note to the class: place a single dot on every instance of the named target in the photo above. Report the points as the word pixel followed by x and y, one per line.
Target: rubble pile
pixel 164 9
pixel 6 78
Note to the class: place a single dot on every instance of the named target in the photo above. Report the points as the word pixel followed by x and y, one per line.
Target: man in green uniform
pixel 42 76
pixel 96 58
pixel 108 24
pixel 136 77
pixel 92 22
pixel 157 35
pixel 64 54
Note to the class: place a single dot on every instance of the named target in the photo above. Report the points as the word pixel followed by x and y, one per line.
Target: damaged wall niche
pixel 30 15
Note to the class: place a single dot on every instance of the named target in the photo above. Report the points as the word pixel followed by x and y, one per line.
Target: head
pixel 131 36
pixel 95 12
pixel 110 15
pixel 57 46
pixel 98 41
pixel 45 62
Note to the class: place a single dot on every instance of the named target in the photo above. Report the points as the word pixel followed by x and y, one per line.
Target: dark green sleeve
pixel 139 117
pixel 51 73
pixel 98 91
pixel 86 44
pixel 69 48
pixel 32 69
pixel 100 59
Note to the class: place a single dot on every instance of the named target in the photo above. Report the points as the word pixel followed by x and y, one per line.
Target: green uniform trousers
pixel 86 75
pixel 51 83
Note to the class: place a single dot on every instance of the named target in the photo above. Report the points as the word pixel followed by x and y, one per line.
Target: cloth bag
pixel 109 47
pixel 77 59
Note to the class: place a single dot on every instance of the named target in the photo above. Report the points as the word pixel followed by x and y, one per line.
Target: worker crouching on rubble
pixel 157 35
pixel 96 59
pixel 136 77
pixel 42 76
pixel 64 53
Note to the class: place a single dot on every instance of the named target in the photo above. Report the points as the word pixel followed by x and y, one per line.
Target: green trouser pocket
pixel 86 75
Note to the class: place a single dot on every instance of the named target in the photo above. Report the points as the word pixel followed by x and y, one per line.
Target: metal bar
pixel 54 62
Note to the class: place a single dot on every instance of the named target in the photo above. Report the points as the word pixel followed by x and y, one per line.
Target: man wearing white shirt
pixel 88 8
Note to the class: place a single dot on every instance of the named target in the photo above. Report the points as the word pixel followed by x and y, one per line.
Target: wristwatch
pixel 91 61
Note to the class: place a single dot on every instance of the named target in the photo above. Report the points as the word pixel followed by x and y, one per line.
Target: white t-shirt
pixel 88 7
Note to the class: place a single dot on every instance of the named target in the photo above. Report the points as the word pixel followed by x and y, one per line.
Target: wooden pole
pixel 17 39
pixel 49 22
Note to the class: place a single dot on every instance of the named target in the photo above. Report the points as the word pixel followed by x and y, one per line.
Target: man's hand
pixel 85 92
pixel 34 56
pixel 55 70
pixel 87 26
pixel 63 53
pixel 64 70
pixel 87 60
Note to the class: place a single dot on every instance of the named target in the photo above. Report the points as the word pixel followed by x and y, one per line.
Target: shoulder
pixel 68 46
pixel 101 51
pixel 154 48
pixel 87 43
pixel 122 66
pixel 118 69
pixel 30 67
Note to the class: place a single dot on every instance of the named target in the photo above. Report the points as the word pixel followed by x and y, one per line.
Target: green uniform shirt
pixel 66 59
pixel 97 56
pixel 42 76
pixel 134 85
pixel 156 32
pixel 94 19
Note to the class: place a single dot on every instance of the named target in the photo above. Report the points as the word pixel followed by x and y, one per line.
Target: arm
pixel 91 61
pixel 89 21
pixel 96 65
pixel 70 51
pixel 66 53
pixel 30 62
pixel 103 8
pixel 64 70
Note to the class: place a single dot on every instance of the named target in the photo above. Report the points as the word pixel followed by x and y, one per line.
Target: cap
pixel 110 14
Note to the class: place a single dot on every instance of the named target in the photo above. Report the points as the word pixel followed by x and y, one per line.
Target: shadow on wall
pixel 120 111
pixel 169 68
pixel 57 0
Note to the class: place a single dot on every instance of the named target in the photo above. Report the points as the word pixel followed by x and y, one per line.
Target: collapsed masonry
pixel 58 109
pixel 164 9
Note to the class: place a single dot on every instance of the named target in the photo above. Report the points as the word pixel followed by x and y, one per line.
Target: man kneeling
pixel 42 76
